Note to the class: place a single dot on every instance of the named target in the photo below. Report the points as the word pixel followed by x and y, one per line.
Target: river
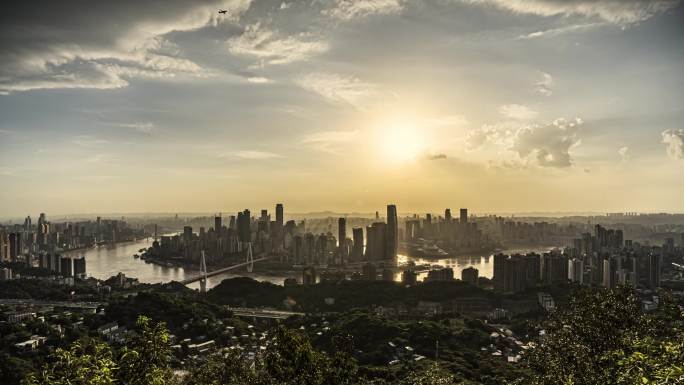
pixel 106 261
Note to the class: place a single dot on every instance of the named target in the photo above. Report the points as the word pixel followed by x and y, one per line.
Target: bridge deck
pixel 222 270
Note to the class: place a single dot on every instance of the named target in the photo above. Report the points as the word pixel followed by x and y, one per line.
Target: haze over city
pixel 563 106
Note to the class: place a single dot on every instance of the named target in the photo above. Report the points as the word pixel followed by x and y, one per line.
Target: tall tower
pixel 279 215
pixel 203 273
pixel 392 232
pixel 218 224
pixel 464 216
pixel 342 234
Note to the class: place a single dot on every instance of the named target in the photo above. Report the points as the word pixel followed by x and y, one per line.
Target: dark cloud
pixel 97 44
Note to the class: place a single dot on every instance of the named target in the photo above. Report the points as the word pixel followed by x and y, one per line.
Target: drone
pixel 223 11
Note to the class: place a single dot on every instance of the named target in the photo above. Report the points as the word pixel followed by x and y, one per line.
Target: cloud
pixel 674 139
pixel 546 145
pixel 338 88
pixel 352 9
pixel 518 111
pixel 253 155
pixel 267 46
pixel 328 140
pixel 624 153
pixel 437 157
pixel 559 31
pixel 543 87
pixel 87 141
pixel 141 127
pixel 285 5
pixel 550 144
pixel 613 11
pixel 101 45
pixel 258 80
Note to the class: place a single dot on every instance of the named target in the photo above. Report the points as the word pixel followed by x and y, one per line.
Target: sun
pixel 402 142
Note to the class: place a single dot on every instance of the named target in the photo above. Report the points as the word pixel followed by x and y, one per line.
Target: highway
pixel 65 304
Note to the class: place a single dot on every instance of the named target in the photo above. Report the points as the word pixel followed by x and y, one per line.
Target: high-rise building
pixel 66 267
pixel 218 225
pixel 392 232
pixel 463 216
pixel 576 270
pixel 279 215
pixel 445 274
pixel 654 269
pixel 341 231
pixel 14 246
pixel 470 275
pixel 555 268
pixel 358 243
pixel 498 278
pixel 80 267
pixel 369 272
pixel 447 215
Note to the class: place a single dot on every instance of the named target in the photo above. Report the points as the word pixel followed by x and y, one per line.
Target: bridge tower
pixel 203 274
pixel 250 257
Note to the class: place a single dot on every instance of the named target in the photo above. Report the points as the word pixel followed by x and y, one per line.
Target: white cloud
pixel 559 31
pixel 258 80
pixel 624 153
pixel 142 127
pixel 544 85
pixel 285 5
pixel 518 111
pixel 254 155
pixel 546 145
pixel 87 141
pixel 351 9
pixel 328 140
pixel 613 11
pixel 338 88
pixel 674 139
pixel 266 45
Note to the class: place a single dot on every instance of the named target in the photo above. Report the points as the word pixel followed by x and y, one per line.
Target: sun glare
pixel 402 143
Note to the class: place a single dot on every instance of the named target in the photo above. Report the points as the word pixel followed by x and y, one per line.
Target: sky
pixel 498 106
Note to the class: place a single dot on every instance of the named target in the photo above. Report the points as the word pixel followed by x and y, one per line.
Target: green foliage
pixel 145 358
pixel 434 375
pixel 85 363
pixel 219 369
pixel 144 361
pixel 603 337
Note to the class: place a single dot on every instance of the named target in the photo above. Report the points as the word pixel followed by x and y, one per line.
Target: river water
pixel 106 261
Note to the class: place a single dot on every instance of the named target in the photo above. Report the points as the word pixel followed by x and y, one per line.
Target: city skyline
pixel 539 106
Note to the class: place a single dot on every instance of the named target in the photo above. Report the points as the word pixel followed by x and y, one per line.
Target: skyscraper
pixel 392 232
pixel 279 215
pixel 358 242
pixel 470 275
pixel 464 216
pixel 341 231
pixel 218 224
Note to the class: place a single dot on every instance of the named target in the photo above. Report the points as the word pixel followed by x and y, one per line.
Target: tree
pixel 84 363
pixel 145 360
pixel 603 337
pixel 219 369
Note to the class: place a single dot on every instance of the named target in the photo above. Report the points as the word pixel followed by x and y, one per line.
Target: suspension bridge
pixel 204 274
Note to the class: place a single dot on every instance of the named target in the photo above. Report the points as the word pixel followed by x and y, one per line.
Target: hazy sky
pixel 495 105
